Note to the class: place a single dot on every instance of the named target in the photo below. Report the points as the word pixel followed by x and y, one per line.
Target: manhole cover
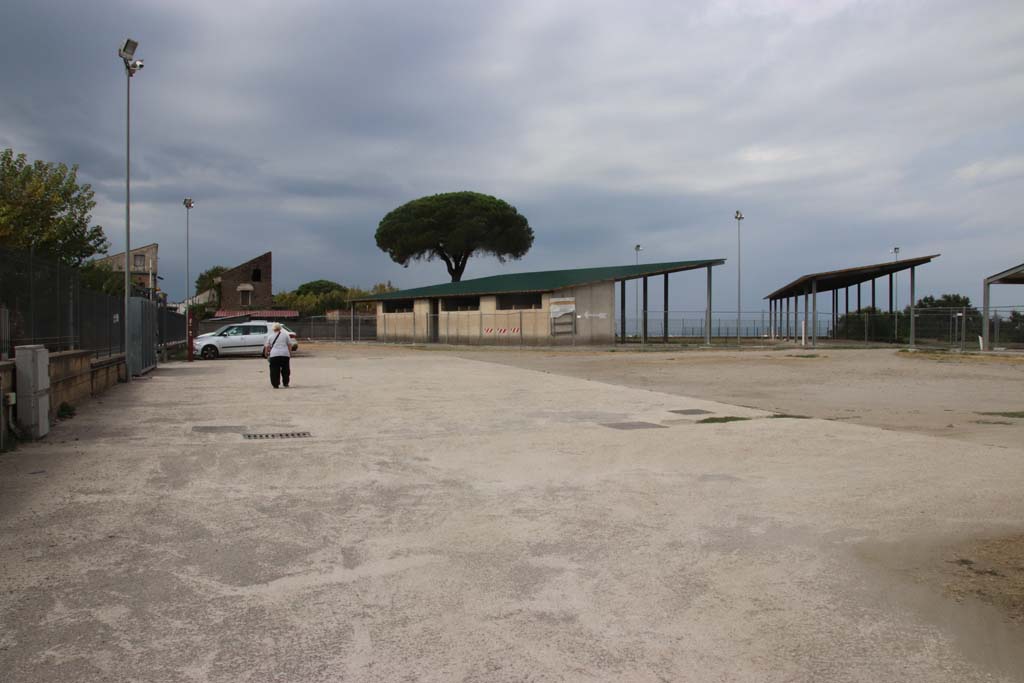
pixel 634 425
pixel 278 435
pixel 691 411
pixel 219 429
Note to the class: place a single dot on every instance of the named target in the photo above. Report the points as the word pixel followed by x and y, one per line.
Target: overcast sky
pixel 839 128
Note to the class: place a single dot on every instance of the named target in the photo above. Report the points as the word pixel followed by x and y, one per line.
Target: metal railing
pixel 47 304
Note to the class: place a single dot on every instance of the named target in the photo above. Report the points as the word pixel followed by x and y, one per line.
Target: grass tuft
pixel 791 417
pixel 1006 413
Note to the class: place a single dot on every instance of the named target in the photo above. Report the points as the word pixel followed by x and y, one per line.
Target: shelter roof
pixel 543 281
pixel 837 279
pixel 1011 276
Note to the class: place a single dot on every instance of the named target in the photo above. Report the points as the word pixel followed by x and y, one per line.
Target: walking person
pixel 278 351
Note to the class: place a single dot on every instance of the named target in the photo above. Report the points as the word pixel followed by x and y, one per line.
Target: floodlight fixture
pixel 127 51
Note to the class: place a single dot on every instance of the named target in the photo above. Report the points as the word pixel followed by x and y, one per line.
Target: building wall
pixel 595 321
pixel 140 276
pixel 262 290
pixel 595 312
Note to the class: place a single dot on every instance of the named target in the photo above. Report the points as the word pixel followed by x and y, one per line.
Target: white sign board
pixel 562 305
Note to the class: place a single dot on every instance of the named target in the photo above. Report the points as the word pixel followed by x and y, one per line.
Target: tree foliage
pixel 319 287
pixel 453 227
pixel 207 280
pixel 946 301
pixel 312 298
pixel 42 206
pixel 100 277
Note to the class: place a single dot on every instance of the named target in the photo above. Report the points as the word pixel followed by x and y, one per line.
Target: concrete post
pixel 665 328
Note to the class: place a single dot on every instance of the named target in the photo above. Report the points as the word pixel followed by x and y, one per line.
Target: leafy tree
pixel 100 277
pixel 452 227
pixel 945 301
pixel 206 280
pixel 42 206
pixel 319 287
pixel 935 311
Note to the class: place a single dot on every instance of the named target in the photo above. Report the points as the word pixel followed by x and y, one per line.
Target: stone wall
pixel 75 376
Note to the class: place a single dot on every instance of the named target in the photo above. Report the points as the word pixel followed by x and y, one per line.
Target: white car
pixel 238 339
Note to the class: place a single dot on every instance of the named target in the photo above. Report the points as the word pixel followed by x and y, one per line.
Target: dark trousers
pixel 280 370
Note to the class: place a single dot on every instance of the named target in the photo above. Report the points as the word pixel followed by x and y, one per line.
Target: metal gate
pixel 143 335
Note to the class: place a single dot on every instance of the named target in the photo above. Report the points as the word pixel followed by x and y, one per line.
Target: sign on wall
pixel 560 306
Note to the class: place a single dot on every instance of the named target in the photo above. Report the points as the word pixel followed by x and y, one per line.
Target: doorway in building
pixel 435 319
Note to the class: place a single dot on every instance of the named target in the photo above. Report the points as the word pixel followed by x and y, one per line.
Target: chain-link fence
pixel 1006 327
pixel 46 304
pixel 344 328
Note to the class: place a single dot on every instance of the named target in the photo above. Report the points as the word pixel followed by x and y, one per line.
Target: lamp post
pixel 637 249
pixel 131 65
pixel 188 203
pixel 739 217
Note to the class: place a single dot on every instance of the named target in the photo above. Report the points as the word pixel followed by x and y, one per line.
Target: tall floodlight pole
pixel 188 276
pixel 131 65
pixel 739 217
pixel 637 249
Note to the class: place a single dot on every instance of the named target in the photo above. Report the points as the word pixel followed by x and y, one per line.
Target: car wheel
pixel 210 352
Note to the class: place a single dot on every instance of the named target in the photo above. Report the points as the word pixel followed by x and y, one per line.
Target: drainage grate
pixel 633 425
pixel 691 411
pixel 278 435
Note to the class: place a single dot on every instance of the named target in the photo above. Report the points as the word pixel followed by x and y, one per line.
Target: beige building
pixel 145 266
pixel 548 307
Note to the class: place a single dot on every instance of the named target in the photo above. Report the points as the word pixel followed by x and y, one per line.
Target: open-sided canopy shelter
pixel 417 313
pixel 1011 276
pixel 834 280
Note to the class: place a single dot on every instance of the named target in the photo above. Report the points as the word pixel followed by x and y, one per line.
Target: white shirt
pixel 282 347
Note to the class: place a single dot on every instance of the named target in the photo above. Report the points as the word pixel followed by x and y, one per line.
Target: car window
pixel 235 331
pixel 257 329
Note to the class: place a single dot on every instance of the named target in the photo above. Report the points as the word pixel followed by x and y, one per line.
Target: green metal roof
pixel 542 281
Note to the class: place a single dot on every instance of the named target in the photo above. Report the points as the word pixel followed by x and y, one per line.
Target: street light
pixel 739 217
pixel 131 65
pixel 188 203
pixel 637 249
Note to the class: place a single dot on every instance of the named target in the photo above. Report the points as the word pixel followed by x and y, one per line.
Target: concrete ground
pixel 455 519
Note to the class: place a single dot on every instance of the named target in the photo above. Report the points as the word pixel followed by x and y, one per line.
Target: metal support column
pixel 890 293
pixel 858 297
pixel 814 313
pixel 912 283
pixel 643 338
pixel 873 305
pixel 787 318
pixel 846 319
pixel 622 307
pixel 986 343
pixel 664 329
pixel 707 313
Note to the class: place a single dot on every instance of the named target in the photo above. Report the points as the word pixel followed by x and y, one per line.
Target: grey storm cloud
pixel 841 128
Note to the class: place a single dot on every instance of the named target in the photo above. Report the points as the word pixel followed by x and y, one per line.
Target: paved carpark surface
pixel 452 519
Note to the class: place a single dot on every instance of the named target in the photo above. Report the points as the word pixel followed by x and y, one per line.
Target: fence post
pixel 963 329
